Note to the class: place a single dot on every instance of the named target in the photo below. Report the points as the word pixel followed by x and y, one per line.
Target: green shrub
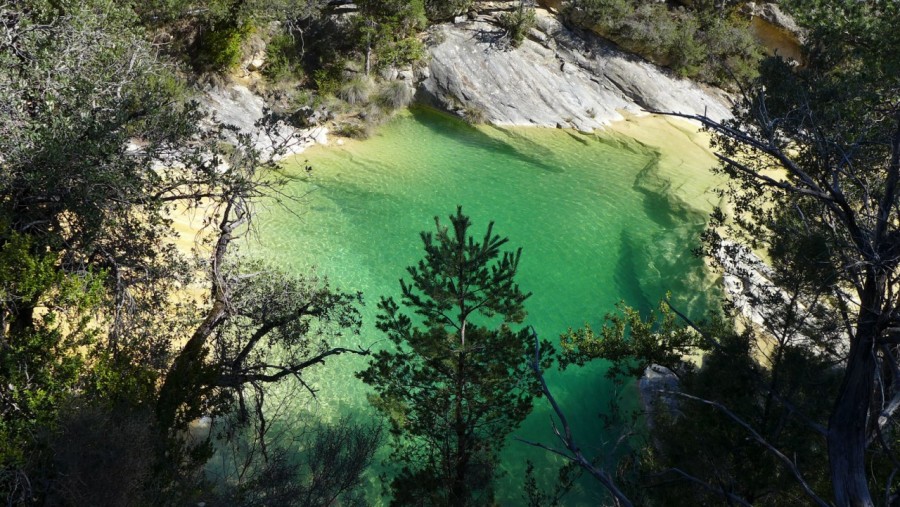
pixel 355 91
pixel 399 53
pixel 282 59
pixel 687 53
pixel 388 30
pixel 218 49
pixel 517 23
pixel 739 51
pixel 701 42
pixel 604 14
pixel 328 79
pixel 353 130
pixel 440 10
pixel 395 95
pixel 474 115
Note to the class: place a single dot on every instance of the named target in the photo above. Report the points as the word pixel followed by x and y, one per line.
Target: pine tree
pixel 457 381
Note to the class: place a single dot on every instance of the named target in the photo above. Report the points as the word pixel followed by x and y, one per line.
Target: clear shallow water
pixel 595 216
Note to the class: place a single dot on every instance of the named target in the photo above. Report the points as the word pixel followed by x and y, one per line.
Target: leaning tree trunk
pixel 847 425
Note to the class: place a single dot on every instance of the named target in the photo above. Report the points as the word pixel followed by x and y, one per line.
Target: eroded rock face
pixel 237 106
pixel 557 78
pixel 773 14
pixel 776 30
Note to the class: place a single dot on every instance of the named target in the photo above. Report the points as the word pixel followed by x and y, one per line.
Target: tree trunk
pixel 184 380
pixel 847 425
pixel 458 490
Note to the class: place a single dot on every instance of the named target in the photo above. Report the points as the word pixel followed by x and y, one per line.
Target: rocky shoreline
pixel 558 78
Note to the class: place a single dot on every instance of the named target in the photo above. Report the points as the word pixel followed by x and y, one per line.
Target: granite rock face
pixel 557 78
pixel 239 107
pixel 773 14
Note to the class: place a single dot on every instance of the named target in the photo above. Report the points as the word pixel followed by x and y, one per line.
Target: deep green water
pixel 591 236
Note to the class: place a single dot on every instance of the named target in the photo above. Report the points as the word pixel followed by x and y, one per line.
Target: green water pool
pixel 600 218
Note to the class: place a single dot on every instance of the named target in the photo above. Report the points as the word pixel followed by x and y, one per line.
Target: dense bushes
pixel 355 91
pixel 705 43
pixel 219 49
pixel 394 95
pixel 517 23
pixel 283 58
pixel 439 10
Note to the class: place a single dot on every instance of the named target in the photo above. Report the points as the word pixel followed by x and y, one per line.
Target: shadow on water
pixel 628 273
pixel 660 203
pixel 448 126
pixel 584 139
pixel 657 209
pixel 665 264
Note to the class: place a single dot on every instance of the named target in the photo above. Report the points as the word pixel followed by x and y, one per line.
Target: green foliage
pixel 355 91
pixel 387 32
pixel 517 23
pixel 283 59
pixel 90 313
pixel 328 80
pixel 399 53
pixel 458 379
pixel 219 49
pixel 407 16
pixel 211 12
pixel 43 359
pixel 705 42
pixel 440 10
pixel 705 443
pixel 394 95
pixel 828 131
pixel 777 398
pixel 632 343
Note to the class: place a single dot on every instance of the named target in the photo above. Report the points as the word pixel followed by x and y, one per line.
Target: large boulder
pixel 776 30
pixel 773 15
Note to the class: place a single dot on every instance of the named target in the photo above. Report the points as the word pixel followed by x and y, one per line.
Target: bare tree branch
pixel 791 466
pixel 574 451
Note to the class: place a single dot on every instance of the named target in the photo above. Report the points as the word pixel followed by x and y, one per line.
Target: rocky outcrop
pixel 237 106
pixel 773 15
pixel 776 30
pixel 557 78
pixel 748 284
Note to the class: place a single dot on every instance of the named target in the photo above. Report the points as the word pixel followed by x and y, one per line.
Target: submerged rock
pixel 568 79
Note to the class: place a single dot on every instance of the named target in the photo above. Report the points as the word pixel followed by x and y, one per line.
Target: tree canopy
pixel 100 144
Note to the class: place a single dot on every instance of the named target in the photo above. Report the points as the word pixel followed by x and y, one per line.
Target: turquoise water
pixel 595 218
